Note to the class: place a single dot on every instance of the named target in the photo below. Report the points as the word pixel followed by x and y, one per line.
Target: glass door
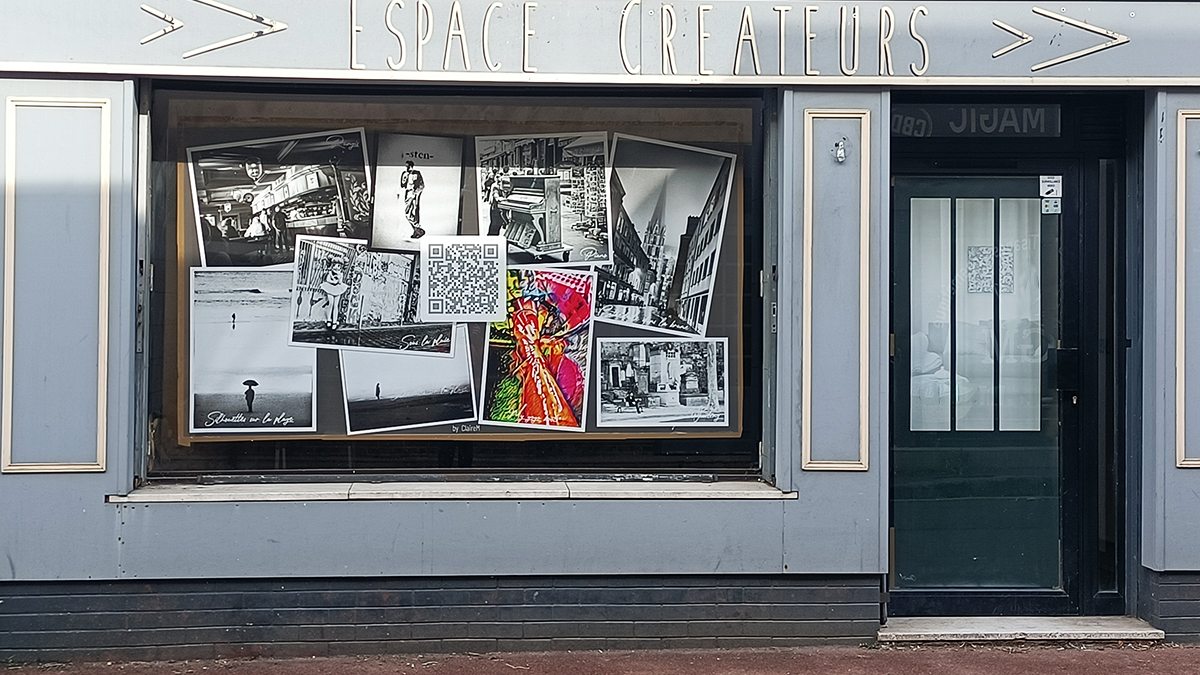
pixel 979 385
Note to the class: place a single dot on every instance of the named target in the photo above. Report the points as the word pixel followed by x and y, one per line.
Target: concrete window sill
pixel 436 491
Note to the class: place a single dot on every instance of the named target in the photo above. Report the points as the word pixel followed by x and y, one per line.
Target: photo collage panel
pixel 589 274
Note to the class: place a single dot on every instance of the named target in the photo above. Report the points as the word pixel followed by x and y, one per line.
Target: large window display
pixel 369 284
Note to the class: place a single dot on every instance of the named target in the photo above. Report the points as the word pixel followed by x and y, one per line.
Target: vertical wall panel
pixel 1187 303
pixel 836 319
pixel 70 312
pixel 56 286
pixel 833 330
pixel 1171 338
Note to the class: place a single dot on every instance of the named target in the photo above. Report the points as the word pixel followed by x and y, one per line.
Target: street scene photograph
pixel 349 297
pixel 662 382
pixel 252 199
pixel 668 205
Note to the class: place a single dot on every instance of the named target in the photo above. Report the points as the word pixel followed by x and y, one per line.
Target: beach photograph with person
pixel 418 190
pixel 388 392
pixel 244 376
pixel 252 198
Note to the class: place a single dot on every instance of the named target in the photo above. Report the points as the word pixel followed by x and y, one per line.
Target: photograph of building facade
pixel 952 286
pixel 662 382
pixel 668 182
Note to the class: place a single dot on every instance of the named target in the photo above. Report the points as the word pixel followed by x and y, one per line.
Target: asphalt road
pixel 972 659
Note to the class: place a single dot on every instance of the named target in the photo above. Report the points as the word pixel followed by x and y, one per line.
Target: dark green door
pixel 979 391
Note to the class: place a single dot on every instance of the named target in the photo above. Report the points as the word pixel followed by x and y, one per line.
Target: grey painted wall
pixel 839 524
pixel 63 529
pixel 56 524
pixel 1170 495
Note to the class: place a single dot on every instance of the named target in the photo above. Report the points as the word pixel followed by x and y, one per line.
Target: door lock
pixel 1074 400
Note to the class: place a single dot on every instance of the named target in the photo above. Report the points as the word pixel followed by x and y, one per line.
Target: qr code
pixel 463 278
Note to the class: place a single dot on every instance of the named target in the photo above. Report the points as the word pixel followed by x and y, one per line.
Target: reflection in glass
pixel 930 264
pixel 976 495
pixel 974 276
pixel 1020 267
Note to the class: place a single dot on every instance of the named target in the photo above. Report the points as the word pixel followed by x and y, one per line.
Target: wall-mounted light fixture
pixel 839 150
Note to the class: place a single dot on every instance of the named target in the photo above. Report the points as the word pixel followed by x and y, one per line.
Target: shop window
pixel 397 285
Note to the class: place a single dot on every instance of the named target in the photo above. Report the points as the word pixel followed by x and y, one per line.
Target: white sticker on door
pixel 1050 186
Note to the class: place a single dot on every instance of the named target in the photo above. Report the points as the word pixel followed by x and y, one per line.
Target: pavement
pixel 941 659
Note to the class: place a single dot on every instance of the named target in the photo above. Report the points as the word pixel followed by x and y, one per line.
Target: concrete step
pixel 988 628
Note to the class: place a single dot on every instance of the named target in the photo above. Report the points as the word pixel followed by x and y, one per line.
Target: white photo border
pixel 191 167
pixel 733 167
pixel 246 431
pixel 723 341
pixel 460 332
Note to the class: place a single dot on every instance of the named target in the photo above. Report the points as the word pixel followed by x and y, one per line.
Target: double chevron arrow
pixel 271 26
pixel 1115 39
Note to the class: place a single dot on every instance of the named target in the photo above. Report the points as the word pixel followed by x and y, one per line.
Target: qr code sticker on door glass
pixel 462 278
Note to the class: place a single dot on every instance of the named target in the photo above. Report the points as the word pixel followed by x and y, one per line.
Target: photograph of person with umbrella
pixel 278 382
pixel 250 385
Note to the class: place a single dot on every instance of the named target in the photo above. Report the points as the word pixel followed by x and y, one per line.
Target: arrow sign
pixel 272 26
pixel 176 24
pixel 1023 38
pixel 1116 38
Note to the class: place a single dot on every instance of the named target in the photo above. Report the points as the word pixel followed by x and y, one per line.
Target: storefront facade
pixel 791 318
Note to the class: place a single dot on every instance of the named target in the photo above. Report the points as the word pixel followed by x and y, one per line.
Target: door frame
pixel 1102 353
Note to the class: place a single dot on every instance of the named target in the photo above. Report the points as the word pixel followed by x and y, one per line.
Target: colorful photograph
pixel 535 369
pixel 668 206
pixel 388 392
pixel 349 297
pixel 253 198
pixel 663 382
pixel 418 190
pixel 548 196
pixel 244 377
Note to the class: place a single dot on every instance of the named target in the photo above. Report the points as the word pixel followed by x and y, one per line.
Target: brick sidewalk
pixel 971 659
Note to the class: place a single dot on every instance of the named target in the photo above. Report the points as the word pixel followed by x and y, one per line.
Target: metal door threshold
pixel 995 628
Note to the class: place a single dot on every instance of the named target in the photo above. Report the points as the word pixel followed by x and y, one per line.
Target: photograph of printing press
pixel 668 204
pixel 418 190
pixel 535 368
pixel 348 297
pixel 253 198
pixel 548 196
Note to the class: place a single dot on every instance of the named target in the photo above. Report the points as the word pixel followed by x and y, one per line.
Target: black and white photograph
pixel 464 279
pixel 418 190
pixel 668 204
pixel 663 382
pixel 253 198
pixel 388 392
pixel 346 296
pixel 547 195
pixel 244 377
